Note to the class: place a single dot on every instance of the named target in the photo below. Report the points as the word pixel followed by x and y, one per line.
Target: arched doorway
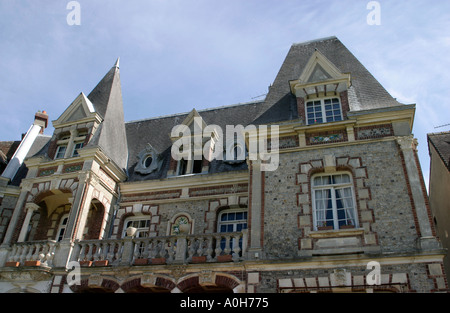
pixel 93 228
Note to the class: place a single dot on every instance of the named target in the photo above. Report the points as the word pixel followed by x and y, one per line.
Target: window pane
pixel 224 217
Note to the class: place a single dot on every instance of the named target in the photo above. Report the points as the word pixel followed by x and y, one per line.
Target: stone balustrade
pixel 36 253
pixel 181 249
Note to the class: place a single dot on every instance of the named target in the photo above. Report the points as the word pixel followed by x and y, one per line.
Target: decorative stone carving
pixel 149 160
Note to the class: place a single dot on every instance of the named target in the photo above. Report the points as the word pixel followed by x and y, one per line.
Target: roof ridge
pixel 440 133
pixel 202 110
pixel 314 40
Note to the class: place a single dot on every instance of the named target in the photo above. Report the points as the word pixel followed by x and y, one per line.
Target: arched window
pixel 232 220
pixel 333 201
pixel 141 223
pixel 62 227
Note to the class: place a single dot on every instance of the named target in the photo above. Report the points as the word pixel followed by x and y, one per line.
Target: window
pixel 62 227
pixel 323 110
pixel 182 167
pixel 148 161
pixel 333 202
pixel 142 225
pixel 231 221
pixel 189 166
pixel 60 152
pixel 76 147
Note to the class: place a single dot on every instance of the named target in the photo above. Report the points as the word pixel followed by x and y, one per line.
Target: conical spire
pixel 107 100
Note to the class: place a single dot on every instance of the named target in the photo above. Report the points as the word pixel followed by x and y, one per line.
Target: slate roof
pixel 123 141
pixel 107 100
pixel 280 104
pixel 39 146
pixel 156 131
pixel 441 142
pixel 365 92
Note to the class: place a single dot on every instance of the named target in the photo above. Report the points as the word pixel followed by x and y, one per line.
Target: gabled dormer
pixel 80 110
pixel 321 91
pixel 188 145
pixel 74 128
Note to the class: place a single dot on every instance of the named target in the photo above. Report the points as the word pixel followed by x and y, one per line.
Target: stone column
pixel 78 206
pixel 30 207
pixel 17 212
pixel 255 248
pixel 5 246
pixel 408 146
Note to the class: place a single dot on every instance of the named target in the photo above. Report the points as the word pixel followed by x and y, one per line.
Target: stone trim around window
pixel 362 239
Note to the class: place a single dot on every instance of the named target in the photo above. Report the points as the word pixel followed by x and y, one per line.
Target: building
pixel 439 187
pixel 331 199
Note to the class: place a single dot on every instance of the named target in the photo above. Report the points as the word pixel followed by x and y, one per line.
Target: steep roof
pixel 156 131
pixel 40 146
pixel 441 142
pixel 107 100
pixel 365 92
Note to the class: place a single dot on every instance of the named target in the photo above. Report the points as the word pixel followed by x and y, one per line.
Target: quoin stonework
pixel 103 205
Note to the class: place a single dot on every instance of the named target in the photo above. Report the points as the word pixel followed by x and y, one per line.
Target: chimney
pixel 38 126
pixel 41 119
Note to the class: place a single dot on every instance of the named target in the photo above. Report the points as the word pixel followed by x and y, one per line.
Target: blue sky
pixel 176 55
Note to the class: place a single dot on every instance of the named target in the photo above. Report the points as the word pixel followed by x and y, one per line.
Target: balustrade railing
pixel 181 249
pixel 101 252
pixel 35 253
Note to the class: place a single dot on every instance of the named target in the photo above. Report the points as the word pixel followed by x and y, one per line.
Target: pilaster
pixel 427 240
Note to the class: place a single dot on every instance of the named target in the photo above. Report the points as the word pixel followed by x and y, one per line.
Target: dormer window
pixel 61 151
pixel 189 166
pixel 76 147
pixel 69 144
pixel 323 110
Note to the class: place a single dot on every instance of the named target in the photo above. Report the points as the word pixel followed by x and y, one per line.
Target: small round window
pixel 148 161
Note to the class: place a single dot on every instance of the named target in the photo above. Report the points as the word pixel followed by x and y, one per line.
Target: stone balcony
pixel 182 249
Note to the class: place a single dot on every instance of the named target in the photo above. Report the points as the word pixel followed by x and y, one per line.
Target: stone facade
pixel 344 210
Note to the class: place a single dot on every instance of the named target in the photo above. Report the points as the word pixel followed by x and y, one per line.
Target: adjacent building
pixel 316 188
pixel 439 187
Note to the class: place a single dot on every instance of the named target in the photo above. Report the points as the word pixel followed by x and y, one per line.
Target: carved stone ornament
pixel 25 276
pixel 149 160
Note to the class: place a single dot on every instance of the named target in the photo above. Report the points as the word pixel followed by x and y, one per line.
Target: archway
pixel 148 284
pixel 208 282
pixel 94 222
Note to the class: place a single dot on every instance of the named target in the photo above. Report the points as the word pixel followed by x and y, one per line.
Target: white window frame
pixel 58 152
pixel 323 110
pixel 350 213
pixel 189 166
pixel 235 223
pixel 140 231
pixel 62 227
pixel 75 148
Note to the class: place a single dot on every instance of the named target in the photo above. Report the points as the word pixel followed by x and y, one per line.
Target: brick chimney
pixel 41 119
